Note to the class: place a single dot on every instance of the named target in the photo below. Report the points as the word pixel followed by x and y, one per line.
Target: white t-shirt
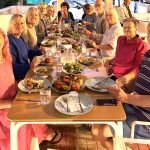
pixel 110 37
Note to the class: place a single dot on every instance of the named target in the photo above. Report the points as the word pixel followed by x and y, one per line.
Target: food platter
pixel 67 83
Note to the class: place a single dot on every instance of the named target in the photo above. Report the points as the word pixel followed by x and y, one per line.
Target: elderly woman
pixel 90 17
pixel 129 53
pixel 114 30
pixel 41 28
pixel 50 16
pixel 100 23
pixel 64 14
pixel 29 34
pixel 19 50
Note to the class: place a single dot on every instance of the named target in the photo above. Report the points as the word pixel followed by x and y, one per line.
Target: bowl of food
pixel 73 68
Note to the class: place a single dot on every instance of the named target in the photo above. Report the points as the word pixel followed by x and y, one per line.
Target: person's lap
pixel 141 132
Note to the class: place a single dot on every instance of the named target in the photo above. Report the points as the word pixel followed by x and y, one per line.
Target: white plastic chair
pixel 132 139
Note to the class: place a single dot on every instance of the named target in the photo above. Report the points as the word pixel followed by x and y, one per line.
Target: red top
pixel 129 54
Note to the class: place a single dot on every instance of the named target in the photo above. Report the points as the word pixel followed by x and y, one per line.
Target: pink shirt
pixel 129 55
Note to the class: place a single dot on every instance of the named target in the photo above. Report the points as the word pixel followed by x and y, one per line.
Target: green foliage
pixel 6 3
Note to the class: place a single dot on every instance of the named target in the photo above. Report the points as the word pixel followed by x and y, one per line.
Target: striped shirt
pixel 142 87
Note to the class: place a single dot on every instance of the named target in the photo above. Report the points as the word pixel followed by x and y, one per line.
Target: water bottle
pixel 135 7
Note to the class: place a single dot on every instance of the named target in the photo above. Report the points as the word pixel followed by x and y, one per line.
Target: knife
pixel 80 104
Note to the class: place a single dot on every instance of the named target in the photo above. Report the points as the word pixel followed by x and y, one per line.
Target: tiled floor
pixel 78 138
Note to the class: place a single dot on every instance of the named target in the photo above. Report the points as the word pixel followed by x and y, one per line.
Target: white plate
pixel 92 81
pixel 86 101
pixel 22 85
pixel 38 68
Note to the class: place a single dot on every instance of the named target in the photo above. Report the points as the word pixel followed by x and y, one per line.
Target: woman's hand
pixel 36 61
pixel 87 23
pixel 87 33
pixel 118 93
pixel 92 43
pixel 43 50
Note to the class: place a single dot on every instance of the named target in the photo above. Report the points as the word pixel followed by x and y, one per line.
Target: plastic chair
pixel 132 139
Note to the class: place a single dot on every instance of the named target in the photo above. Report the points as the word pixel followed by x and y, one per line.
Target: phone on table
pixel 106 102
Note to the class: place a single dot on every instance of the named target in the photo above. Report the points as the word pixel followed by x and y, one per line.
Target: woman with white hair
pixel 29 34
pixel 114 30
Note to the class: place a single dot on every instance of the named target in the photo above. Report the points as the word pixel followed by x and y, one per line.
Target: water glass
pixel 59 68
pixel 45 95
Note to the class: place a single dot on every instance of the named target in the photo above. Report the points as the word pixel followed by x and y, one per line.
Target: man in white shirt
pixel 125 11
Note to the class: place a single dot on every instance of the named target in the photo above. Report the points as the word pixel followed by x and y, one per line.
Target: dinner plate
pixel 91 82
pixel 87 60
pixel 43 82
pixel 43 70
pixel 86 103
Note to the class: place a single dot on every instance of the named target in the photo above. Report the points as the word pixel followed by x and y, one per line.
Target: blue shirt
pixel 21 55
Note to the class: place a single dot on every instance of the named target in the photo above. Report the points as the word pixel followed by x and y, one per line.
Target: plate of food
pixel 33 85
pixel 73 68
pixel 99 84
pixel 48 61
pixel 89 60
pixel 73 107
pixel 49 42
pixel 67 83
pixel 43 71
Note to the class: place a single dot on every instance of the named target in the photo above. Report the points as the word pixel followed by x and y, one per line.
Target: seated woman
pixel 29 34
pixel 7 94
pixel 64 14
pixel 137 108
pixel 90 18
pixel 129 53
pixel 109 42
pixel 19 50
pixel 50 16
pixel 41 28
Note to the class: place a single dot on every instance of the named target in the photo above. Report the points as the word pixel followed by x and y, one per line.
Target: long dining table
pixel 26 109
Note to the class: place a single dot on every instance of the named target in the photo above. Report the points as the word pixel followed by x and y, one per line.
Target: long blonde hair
pixel 28 13
pixel 9 30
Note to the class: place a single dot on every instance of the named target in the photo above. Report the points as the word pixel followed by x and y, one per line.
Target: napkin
pixel 73 105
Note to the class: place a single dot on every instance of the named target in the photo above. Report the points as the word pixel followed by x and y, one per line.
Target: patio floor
pixel 78 138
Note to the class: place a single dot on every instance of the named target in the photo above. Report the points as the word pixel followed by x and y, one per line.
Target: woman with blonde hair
pixel 29 34
pixel 50 15
pixel 114 30
pixel 19 50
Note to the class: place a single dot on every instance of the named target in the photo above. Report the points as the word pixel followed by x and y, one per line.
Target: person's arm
pixel 126 79
pixel 142 48
pixel 137 100
pixel 71 16
pixel 5 104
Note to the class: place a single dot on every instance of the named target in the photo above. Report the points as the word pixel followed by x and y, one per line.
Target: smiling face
pixel 129 29
pixel 99 8
pixel 50 11
pixel 17 26
pixel 42 8
pixel 33 17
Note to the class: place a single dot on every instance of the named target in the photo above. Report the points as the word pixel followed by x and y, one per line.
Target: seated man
pixel 90 17
pixel 137 107
pixel 125 11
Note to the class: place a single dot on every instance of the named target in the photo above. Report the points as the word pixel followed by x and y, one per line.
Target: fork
pixel 66 101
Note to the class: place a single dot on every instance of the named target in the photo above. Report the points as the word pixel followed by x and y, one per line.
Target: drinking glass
pixel 45 95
